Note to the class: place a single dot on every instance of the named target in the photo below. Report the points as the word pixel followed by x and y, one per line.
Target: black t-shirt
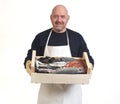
pixel 76 41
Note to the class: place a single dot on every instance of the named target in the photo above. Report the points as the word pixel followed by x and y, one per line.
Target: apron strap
pixel 50 35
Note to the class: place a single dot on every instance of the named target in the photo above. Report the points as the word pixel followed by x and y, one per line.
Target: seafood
pixel 60 65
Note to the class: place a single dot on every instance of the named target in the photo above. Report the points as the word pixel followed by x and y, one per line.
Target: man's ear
pixel 68 17
pixel 50 17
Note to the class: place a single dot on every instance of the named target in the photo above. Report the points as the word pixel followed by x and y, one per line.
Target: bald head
pixel 60 8
pixel 59 18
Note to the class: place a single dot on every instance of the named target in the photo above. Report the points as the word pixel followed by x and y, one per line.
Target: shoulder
pixel 74 34
pixel 42 36
pixel 43 33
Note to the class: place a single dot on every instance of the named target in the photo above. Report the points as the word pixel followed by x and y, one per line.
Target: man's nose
pixel 59 18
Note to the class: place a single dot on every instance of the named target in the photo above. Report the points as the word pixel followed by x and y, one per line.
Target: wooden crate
pixel 62 78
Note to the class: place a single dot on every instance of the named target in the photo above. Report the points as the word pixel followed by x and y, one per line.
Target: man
pixel 59 41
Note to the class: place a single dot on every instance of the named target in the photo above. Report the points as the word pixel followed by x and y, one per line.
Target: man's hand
pixel 29 69
pixel 91 66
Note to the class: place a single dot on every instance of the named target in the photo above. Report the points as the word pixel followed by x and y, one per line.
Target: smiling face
pixel 59 18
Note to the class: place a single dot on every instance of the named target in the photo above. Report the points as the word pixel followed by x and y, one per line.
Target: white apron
pixel 59 93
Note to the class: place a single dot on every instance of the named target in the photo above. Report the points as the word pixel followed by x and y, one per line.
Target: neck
pixel 59 31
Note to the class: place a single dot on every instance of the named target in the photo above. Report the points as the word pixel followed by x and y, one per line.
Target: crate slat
pixel 60 78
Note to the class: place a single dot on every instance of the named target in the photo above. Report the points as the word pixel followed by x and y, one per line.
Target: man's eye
pixel 55 16
pixel 62 16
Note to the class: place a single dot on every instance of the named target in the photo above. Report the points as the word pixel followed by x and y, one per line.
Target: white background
pixel 97 20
